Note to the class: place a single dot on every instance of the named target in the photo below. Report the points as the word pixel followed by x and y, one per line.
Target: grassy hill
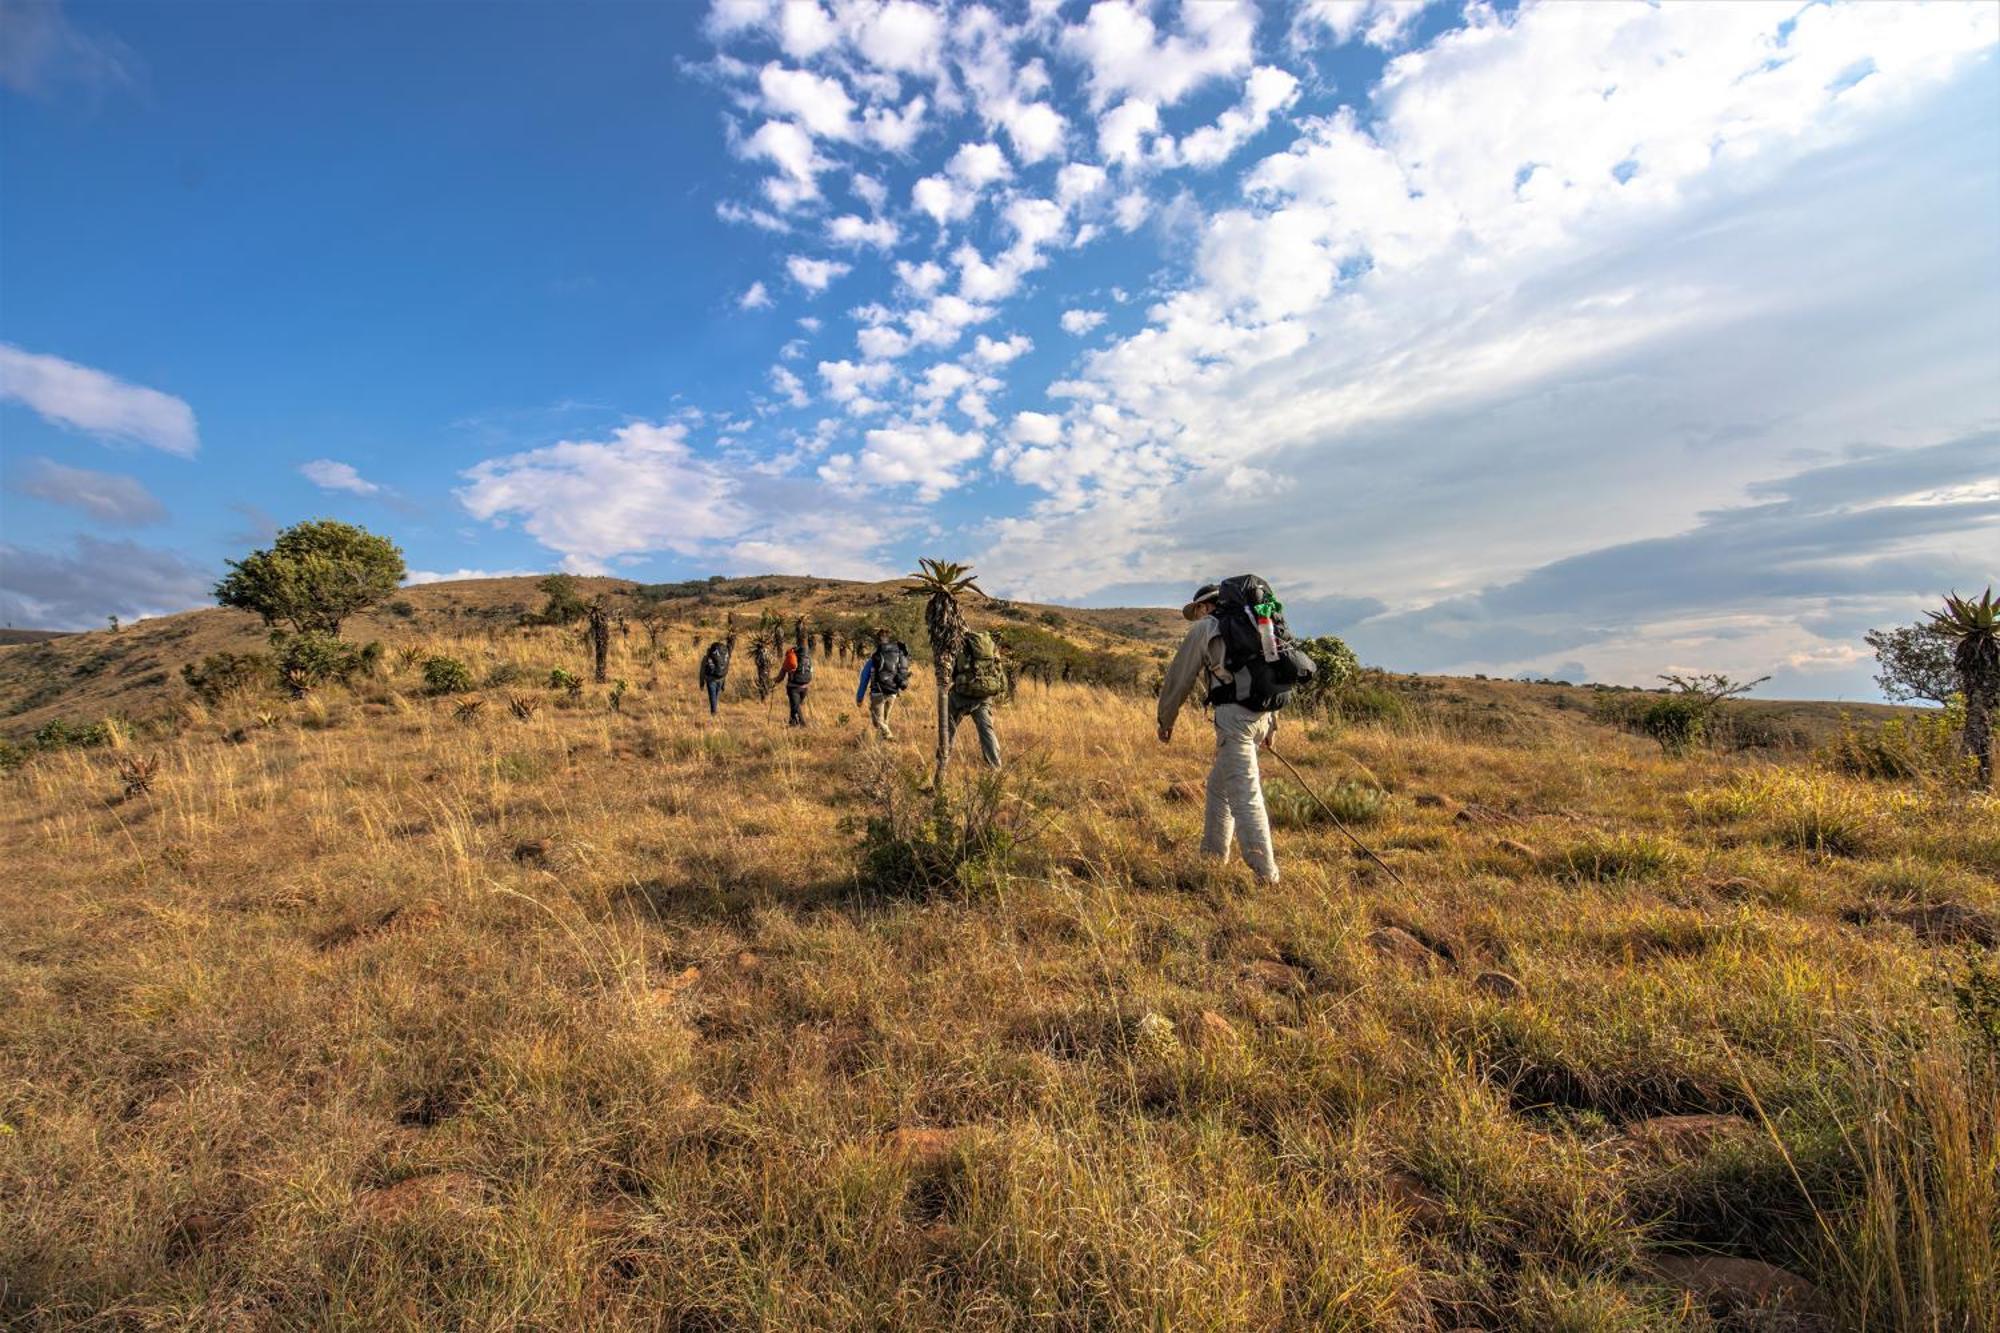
pixel 376 1010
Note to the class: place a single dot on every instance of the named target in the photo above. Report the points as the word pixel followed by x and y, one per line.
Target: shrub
pixel 504 674
pixel 560 679
pixel 220 675
pixel 446 675
pixel 1678 722
pixel 402 609
pixel 12 756
pixel 1335 665
pixel 1920 749
pixel 314 576
pixel 1369 703
pixel 58 734
pixel 314 658
pixel 925 843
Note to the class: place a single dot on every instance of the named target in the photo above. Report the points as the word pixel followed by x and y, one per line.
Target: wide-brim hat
pixel 1207 592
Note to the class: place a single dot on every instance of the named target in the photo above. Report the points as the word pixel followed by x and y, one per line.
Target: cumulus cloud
pixel 96 403
pixel 756 298
pixel 1125 54
pixel 927 456
pixel 815 275
pixel 107 497
pixel 1080 322
pixel 329 475
pixel 858 231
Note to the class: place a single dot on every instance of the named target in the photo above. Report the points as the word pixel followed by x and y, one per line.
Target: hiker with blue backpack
pixel 977 678
pixel 884 675
pixel 1239 651
pixel 715 672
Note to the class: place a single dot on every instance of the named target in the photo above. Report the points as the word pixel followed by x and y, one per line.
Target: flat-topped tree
pixel 314 576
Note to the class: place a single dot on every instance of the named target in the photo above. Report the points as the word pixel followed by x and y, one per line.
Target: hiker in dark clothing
pixel 714 671
pixel 977 678
pixel 797 674
pixel 884 675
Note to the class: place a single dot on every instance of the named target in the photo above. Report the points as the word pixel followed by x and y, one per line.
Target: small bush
pixel 1369 703
pixel 446 675
pixel 315 658
pixel 401 609
pixel 560 679
pixel 507 673
pixel 57 734
pixel 1921 749
pixel 1677 722
pixel 12 756
pixel 220 675
pixel 925 843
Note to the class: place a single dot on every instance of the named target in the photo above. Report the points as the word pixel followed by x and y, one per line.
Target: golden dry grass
pixel 367 1017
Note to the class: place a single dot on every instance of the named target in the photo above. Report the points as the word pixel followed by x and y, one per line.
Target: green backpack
pixel 978 673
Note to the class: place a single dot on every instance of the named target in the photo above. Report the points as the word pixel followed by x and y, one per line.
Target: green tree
pixel 314 576
pixel 565 602
pixel 1334 666
pixel 1974 631
pixel 1915 663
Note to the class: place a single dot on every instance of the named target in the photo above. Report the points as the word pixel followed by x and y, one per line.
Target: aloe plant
pixel 940 583
pixel 1974 630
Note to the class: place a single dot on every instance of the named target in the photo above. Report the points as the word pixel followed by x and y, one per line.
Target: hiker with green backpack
pixel 1240 652
pixel 977 678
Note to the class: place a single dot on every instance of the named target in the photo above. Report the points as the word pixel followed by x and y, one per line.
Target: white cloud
pixel 1039 428
pixel 926 456
pixel 901 36
pixel 417 578
pixel 789 387
pixel 1035 129
pixel 96 403
pixel 815 275
pixel 850 229
pixel 1377 22
pixel 869 191
pixel 1269 91
pixel 594 500
pixel 817 102
pixel 990 352
pixel 329 475
pixel 1131 209
pixel 804 29
pixel 892 130
pixel 944 200
pixel 790 149
pixel 979 165
pixel 922 278
pixel 880 342
pixel 1122 133
pixel 1124 53
pixel 846 381
pixel 756 298
pixel 1080 322
pixel 1078 181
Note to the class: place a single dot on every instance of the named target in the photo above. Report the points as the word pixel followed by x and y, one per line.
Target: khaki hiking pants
pixel 981 713
pixel 1236 791
pixel 879 706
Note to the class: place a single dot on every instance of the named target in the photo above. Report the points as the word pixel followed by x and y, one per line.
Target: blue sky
pixel 1598 340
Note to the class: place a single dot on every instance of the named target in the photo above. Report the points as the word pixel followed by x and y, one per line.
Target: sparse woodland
pixel 370 1010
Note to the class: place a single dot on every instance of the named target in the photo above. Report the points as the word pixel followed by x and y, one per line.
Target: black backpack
pixel 1260 685
pixel 802 673
pixel 715 662
pixel 892 670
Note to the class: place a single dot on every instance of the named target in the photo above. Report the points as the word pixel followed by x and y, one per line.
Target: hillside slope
pixel 377 1010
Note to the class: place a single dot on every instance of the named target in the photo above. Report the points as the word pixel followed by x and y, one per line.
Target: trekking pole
pixel 1365 850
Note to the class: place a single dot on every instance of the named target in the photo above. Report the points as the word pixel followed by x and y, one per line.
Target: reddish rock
pixel 1185 793
pixel 457 1191
pixel 1402 946
pixel 1500 986
pixel 1211 1031
pixel 1744 1286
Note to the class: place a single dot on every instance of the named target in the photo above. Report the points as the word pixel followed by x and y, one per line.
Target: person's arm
pixel 1185 672
pixel 867 674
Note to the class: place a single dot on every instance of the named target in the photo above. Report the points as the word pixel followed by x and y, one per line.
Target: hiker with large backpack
pixel 1241 653
pixel 797 674
pixel 714 671
pixel 977 678
pixel 884 675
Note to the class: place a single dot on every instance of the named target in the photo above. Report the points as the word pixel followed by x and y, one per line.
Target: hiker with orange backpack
pixel 797 674
pixel 1240 652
